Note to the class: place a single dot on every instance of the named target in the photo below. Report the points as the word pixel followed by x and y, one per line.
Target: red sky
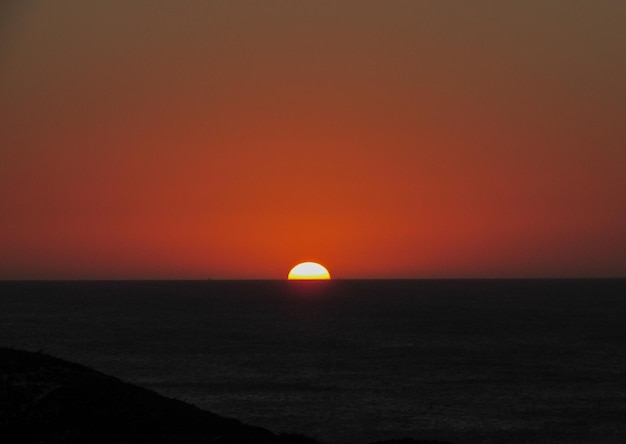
pixel 381 139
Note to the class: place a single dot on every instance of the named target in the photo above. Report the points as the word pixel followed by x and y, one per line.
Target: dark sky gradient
pixel 144 139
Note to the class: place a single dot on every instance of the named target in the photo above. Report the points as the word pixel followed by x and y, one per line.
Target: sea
pixel 353 361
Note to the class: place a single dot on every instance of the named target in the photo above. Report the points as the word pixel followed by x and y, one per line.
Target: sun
pixel 308 271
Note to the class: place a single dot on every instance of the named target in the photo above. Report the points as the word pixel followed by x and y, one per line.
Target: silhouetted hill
pixel 48 400
pixel 45 399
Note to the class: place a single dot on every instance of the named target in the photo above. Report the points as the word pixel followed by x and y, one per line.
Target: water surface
pixel 353 361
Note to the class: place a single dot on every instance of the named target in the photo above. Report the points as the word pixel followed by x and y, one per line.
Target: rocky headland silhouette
pixel 44 399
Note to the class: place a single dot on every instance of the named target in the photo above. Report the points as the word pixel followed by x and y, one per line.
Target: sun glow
pixel 308 271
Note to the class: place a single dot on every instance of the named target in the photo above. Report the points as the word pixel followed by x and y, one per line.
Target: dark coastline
pixel 44 399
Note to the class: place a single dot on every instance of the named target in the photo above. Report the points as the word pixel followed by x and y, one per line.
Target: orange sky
pixel 381 139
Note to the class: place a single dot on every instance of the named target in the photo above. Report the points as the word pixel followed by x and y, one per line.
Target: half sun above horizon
pixel 308 271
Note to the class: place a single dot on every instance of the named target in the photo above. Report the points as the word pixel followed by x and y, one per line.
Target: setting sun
pixel 308 271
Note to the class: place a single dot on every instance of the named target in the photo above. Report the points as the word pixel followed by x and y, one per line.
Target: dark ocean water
pixel 353 361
